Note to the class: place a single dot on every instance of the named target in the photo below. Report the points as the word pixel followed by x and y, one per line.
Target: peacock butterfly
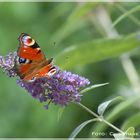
pixel 30 62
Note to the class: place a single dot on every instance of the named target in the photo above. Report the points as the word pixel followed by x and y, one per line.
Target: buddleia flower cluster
pixel 62 88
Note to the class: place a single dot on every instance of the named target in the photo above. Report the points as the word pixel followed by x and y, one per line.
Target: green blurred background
pixel 80 39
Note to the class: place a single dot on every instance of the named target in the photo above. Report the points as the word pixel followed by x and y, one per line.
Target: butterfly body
pixel 31 63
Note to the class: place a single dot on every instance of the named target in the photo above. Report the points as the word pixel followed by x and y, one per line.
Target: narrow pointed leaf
pixel 97 50
pixel 117 112
pixel 93 87
pixel 79 128
pixel 132 121
pixel 130 132
pixel 135 9
pixel 102 107
pixel 72 22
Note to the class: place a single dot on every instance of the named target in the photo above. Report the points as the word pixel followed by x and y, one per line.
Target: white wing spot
pixel 25 47
pixel 38 49
pixel 51 72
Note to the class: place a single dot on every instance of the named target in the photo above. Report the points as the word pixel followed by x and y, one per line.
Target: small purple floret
pixel 61 89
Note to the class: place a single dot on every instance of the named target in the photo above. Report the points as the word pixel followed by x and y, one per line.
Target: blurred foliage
pixel 66 32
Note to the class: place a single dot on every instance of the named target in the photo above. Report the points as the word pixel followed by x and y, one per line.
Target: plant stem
pixel 88 110
pixel 100 118
pixel 113 126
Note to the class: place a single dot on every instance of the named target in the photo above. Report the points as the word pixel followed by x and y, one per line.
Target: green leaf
pixel 130 132
pixel 134 121
pixel 102 107
pixel 116 113
pixel 80 127
pixel 93 87
pixel 135 9
pixel 97 50
pixel 127 135
pixel 81 11
pixel 72 22
pixel 130 15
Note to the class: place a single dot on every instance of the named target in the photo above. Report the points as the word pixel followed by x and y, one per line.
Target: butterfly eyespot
pixel 33 79
pixel 23 60
pixel 30 62
pixel 51 72
pixel 28 41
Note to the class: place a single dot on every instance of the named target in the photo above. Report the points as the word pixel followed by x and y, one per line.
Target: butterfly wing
pixel 46 71
pixel 29 49
pixel 30 59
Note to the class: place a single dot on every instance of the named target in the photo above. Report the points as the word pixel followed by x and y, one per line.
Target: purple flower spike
pixel 62 88
pixel 7 64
